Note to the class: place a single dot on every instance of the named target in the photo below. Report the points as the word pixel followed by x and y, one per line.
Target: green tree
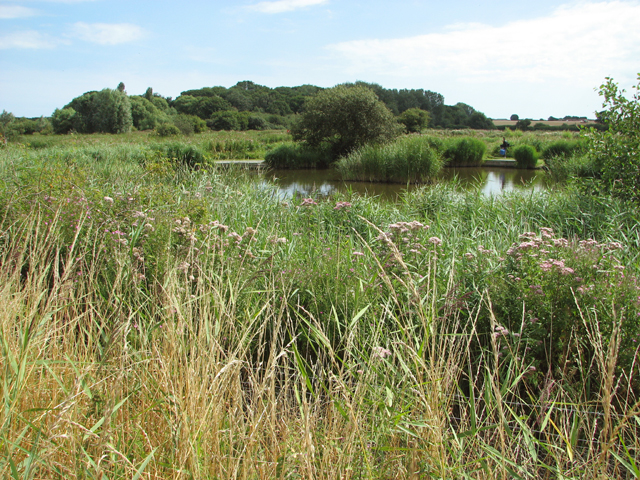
pixel 414 120
pixel 617 149
pixel 514 118
pixel 145 115
pixel 6 120
pixel 112 111
pixel 107 111
pixel 63 120
pixel 345 118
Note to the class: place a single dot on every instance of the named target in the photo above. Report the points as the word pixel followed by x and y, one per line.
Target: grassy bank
pixel 170 323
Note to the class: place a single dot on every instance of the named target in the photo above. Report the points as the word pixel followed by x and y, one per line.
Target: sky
pixel 535 59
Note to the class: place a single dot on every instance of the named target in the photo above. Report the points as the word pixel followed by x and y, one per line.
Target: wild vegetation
pixel 172 322
pixel 163 318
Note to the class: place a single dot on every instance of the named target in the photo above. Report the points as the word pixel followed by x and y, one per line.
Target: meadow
pixel 165 321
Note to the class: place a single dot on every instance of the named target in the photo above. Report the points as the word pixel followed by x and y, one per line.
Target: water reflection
pixel 491 181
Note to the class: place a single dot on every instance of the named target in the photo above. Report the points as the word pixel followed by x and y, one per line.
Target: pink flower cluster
pixel 548 265
pixel 308 202
pixel 404 227
pixel 381 352
pixel 341 205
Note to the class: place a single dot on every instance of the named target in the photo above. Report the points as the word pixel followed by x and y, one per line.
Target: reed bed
pixel 159 322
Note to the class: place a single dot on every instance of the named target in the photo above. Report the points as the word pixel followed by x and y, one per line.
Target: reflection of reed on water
pixel 490 181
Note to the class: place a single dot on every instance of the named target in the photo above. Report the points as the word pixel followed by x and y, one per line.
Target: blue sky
pixel 535 59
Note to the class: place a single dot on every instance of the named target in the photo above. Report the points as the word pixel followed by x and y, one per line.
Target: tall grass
pixel 292 156
pixel 158 322
pixel 408 160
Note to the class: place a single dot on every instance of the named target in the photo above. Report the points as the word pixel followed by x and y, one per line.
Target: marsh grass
pixel 159 322
pixel 408 160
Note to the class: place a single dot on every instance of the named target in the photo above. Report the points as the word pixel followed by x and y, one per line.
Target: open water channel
pixel 490 180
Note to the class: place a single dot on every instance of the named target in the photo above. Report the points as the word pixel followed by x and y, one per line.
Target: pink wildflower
pixel 381 352
pixel 435 240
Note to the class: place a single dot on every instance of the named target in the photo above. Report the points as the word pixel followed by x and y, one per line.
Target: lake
pixel 491 181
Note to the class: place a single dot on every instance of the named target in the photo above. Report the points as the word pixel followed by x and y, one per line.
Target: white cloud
pixel 281 6
pixel 29 39
pixel 16 11
pixel 579 42
pixel 107 33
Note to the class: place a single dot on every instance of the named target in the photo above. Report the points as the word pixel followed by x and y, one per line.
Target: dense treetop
pixel 246 105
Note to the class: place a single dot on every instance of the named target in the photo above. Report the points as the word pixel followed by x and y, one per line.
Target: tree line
pixel 244 106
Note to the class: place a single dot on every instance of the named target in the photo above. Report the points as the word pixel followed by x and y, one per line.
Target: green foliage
pixel 256 122
pixel 460 115
pixel 145 115
pixel 537 291
pixel 291 156
pixel 514 118
pixel 563 168
pixel 414 120
pixel 523 124
pixel 183 154
pixel 228 120
pixel 464 151
pixel 617 149
pixel 167 130
pixel 407 160
pixel 203 107
pixel 345 118
pixel 189 124
pixel 63 120
pixel 107 111
pixel 526 156
pixel 12 127
pixel 562 148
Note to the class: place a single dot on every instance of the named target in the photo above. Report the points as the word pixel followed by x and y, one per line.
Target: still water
pixel 490 180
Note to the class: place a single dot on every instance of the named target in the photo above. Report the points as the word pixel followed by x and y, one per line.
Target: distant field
pixel 554 123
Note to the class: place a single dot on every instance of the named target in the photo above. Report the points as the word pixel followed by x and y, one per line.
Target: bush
pixel 465 151
pixel 228 120
pixel 257 123
pixel 408 160
pixel 290 155
pixel 189 124
pixel 167 130
pixel 526 156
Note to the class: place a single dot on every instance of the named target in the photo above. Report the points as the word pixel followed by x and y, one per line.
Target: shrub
pixel 526 156
pixel 291 155
pixel 465 151
pixel 410 159
pixel 167 130
pixel 257 123
pixel 228 120
pixel 189 124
